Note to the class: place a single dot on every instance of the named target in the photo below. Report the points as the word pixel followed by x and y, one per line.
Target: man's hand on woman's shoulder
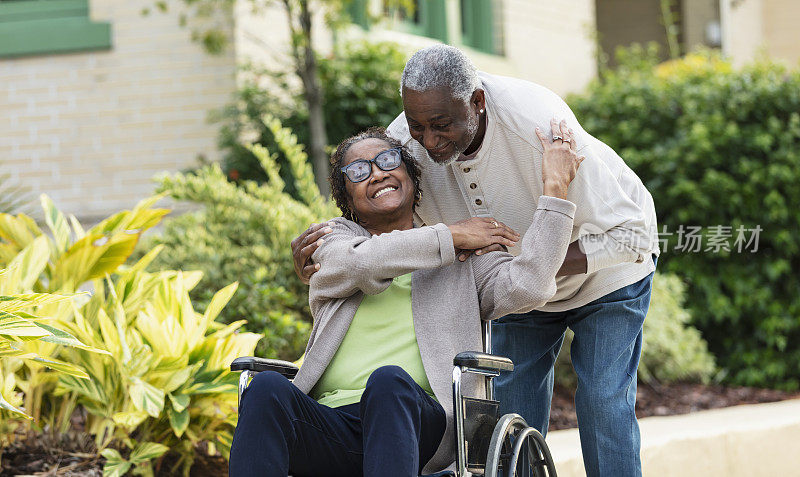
pixel 304 246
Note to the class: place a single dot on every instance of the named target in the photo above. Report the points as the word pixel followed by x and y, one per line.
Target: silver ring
pixel 495 224
pixel 556 137
pixel 567 140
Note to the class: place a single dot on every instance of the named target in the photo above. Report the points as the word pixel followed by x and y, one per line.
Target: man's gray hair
pixel 441 66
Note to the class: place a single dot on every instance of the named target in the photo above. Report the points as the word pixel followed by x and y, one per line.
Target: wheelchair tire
pixel 508 441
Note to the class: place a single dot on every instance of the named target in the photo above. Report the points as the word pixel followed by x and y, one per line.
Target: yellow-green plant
pixel 28 338
pixel 164 383
pixel 61 263
pixel 167 380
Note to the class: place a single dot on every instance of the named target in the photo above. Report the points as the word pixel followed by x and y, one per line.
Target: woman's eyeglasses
pixel 360 170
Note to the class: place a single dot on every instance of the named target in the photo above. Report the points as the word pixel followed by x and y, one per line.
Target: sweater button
pixel 478 202
pixel 466 169
pixel 473 185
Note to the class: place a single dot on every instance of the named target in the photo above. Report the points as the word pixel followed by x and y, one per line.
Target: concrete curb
pixel 747 441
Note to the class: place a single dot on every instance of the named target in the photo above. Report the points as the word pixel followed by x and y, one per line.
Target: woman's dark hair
pixel 338 180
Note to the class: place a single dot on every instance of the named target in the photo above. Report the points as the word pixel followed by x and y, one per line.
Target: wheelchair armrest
pixel 251 363
pixel 483 361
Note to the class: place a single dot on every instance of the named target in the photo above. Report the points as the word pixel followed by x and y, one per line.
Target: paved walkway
pixel 741 441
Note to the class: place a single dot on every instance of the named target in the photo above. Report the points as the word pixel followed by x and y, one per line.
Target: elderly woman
pixel 391 308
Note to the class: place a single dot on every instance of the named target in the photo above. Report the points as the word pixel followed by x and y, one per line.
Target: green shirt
pixel 381 334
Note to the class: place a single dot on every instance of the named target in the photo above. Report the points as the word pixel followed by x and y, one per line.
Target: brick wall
pixel 91 129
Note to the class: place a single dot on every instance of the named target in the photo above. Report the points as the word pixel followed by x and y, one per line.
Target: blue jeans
pixel 393 431
pixel 605 354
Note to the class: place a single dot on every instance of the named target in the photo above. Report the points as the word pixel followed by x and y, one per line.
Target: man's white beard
pixel 472 128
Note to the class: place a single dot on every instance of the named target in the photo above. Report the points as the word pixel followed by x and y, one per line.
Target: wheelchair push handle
pixel 252 363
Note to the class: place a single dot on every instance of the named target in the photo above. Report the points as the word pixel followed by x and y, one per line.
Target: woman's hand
pixel 480 232
pixel 560 162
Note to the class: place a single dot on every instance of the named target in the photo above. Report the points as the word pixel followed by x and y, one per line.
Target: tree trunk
pixel 313 92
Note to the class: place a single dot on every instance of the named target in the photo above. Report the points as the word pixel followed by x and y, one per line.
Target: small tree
pixel 299 17
pixel 359 84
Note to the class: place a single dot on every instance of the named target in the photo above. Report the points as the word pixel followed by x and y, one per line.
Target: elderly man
pixel 477 136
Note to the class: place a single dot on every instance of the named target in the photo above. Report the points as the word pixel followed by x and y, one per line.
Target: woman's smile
pixel 383 191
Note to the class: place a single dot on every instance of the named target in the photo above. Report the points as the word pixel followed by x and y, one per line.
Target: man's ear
pixel 478 100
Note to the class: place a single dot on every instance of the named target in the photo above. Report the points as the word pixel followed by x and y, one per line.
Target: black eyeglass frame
pixel 373 161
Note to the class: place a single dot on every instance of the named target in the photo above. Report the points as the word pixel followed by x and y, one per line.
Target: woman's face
pixel 383 196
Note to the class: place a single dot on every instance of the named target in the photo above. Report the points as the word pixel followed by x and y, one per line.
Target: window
pixel 479 28
pixel 428 19
pixel 480 21
pixel 40 27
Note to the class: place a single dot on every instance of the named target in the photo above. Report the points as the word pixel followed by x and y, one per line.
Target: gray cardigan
pixel 447 296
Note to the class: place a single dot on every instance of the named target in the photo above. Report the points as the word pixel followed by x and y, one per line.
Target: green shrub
pixel 151 373
pixel 243 234
pixel 672 351
pixel 359 87
pixel 718 146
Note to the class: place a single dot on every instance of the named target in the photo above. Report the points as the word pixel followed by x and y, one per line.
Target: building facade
pixel 96 97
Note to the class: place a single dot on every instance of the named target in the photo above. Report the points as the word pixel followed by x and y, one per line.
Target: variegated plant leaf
pixel 57 223
pixel 62 366
pixel 115 465
pixel 146 397
pixel 129 419
pixel 13 410
pixel 147 451
pixel 29 264
pixel 179 401
pixel 178 420
pixel 16 326
pixel 65 339
pixel 13 303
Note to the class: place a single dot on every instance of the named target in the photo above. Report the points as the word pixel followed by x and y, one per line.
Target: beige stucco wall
pixel 551 43
pixel 782 29
pixel 91 129
pixel 262 36
pixel 755 27
pixel 742 29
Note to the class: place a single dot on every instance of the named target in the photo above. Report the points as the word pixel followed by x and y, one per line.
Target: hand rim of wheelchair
pixel 514 425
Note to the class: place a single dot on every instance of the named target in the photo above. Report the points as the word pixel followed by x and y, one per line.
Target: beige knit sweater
pixel 448 297
pixel 615 221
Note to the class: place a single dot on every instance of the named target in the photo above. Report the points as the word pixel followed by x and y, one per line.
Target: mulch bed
pixel 73 455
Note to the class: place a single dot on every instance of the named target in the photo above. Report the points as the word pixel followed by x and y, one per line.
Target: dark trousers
pixel 393 431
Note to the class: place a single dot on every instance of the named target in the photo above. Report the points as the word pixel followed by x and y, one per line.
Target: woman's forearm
pixel 350 262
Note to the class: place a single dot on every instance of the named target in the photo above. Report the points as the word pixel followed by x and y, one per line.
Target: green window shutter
pixel 429 19
pixel 357 10
pixel 433 14
pixel 477 25
pixel 40 27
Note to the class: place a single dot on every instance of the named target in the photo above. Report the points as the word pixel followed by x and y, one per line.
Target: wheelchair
pixel 487 444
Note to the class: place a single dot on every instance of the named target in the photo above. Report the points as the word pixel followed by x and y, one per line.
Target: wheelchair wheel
pixel 517 450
